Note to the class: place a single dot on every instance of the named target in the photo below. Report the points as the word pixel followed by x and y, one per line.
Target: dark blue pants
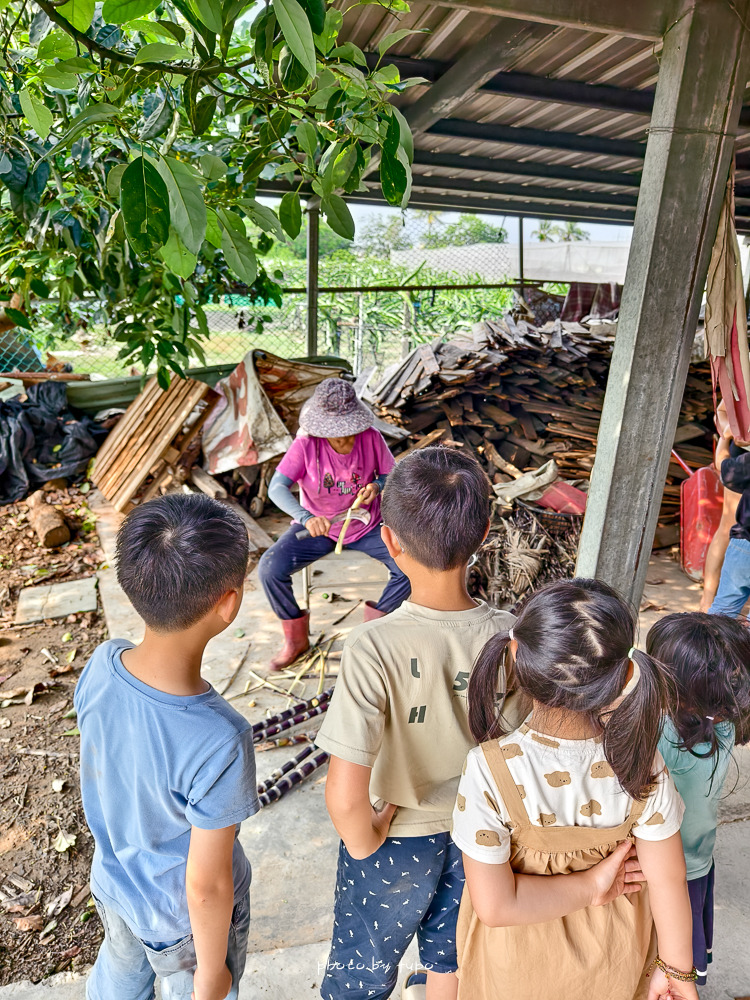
pixel 291 554
pixel 409 886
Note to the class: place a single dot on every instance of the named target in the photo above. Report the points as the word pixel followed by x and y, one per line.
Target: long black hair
pixel 710 657
pixel 574 639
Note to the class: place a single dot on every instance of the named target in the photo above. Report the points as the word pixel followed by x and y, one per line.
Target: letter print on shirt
pixel 415 668
pixel 417 714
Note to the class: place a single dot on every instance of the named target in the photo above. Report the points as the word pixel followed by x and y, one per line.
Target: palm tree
pixel 546 232
pixel 571 232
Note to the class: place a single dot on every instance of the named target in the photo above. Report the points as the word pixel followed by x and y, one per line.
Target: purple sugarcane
pixel 293 778
pixel 288 713
pixel 284 769
pixel 297 720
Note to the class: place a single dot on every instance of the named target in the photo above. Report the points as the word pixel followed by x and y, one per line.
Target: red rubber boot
pixel 371 612
pixel 296 641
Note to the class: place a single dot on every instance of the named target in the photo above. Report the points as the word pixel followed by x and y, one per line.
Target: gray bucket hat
pixel 333 410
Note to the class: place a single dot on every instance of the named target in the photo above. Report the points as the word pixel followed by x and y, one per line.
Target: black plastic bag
pixel 41 439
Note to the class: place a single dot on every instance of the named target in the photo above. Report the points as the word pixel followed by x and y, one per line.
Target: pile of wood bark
pixel 518 395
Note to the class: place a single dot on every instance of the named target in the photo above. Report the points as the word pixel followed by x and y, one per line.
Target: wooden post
pixel 521 289
pixel 313 255
pixel 704 68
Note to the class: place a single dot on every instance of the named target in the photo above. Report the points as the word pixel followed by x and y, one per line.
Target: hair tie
pixel 510 633
pixel 631 684
pixel 630 652
pixel 710 718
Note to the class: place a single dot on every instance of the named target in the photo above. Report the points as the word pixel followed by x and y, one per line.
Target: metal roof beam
pixel 635 18
pixel 509 83
pixel 525 168
pixel 507 41
pixel 512 135
pixel 535 192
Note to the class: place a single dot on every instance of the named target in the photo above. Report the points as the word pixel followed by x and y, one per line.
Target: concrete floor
pixel 292 845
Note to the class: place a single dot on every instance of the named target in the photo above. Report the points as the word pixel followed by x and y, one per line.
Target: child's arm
pixel 663 864
pixel 501 898
pixel 348 800
pixel 210 897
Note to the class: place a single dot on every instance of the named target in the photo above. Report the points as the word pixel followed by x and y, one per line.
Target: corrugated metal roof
pixel 565 54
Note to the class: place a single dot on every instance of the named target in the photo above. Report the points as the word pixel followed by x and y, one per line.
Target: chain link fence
pixel 407 278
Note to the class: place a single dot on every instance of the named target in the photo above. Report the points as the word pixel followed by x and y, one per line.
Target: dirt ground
pixel 46 922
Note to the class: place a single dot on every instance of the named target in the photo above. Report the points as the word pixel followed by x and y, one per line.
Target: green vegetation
pixel 133 136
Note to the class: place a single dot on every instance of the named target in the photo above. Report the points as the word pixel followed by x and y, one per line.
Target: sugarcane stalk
pixel 296 720
pixel 345 524
pixel 284 769
pixel 292 778
pixel 288 713
pixel 294 739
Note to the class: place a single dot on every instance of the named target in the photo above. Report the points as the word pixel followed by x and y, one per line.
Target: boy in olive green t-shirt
pixel 398 735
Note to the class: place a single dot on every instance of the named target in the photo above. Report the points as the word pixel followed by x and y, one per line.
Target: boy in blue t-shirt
pixel 710 657
pixel 167 766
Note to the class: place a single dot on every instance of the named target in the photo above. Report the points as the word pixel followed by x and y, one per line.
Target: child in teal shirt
pixel 710 657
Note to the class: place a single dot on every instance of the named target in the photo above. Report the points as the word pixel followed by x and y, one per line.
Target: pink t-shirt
pixel 329 482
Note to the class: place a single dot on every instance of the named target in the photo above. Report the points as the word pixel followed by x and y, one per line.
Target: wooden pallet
pixel 149 439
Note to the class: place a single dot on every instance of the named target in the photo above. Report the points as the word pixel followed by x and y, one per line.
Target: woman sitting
pixel 337 456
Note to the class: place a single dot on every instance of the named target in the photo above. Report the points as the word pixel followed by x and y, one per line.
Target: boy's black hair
pixel 710 656
pixel 574 642
pixel 437 503
pixel 177 556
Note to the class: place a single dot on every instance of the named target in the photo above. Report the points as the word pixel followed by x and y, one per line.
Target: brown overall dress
pixel 600 951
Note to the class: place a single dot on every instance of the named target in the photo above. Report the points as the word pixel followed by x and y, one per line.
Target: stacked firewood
pixel 518 395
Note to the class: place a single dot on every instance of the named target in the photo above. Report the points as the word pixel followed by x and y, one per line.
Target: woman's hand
pixel 662 988
pixel 369 492
pixel 318 526
pixel 611 878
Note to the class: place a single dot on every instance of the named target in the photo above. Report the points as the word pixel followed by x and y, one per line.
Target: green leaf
pixel 392 136
pixel 57 45
pixel 157 122
pixel 177 257
pixel 297 33
pixel 316 14
pixel 204 113
pixel 36 113
pixel 160 52
pixel 79 13
pixel 395 36
pixel 213 229
pixel 293 74
pixel 262 216
pixel 58 79
pixel 351 52
pixel 92 115
pixel 144 200
pixel 343 166
pixel 393 178
pixel 331 28
pixel 406 138
pixel 114 178
pixel 213 167
pixel 210 14
pixel 290 214
pixel 236 247
pixel 307 138
pixel 338 216
pixel 17 317
pixel 120 11
pixel 187 209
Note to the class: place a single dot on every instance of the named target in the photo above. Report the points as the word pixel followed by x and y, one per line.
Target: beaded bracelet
pixel 672 973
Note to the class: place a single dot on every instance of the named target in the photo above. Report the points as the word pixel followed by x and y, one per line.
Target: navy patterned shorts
pixel 411 885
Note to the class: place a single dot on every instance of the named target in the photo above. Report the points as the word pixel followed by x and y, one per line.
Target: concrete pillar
pixel 704 68
pixel 313 256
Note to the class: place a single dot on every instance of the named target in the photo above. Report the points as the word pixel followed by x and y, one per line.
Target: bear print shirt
pixel 562 783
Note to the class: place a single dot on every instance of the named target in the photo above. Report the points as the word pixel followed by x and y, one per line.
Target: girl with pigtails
pixel 562 797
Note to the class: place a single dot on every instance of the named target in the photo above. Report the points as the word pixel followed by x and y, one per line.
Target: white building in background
pixel 497 262
pixel 590 261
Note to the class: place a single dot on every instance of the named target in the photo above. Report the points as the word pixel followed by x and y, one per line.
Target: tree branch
pixel 83 39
